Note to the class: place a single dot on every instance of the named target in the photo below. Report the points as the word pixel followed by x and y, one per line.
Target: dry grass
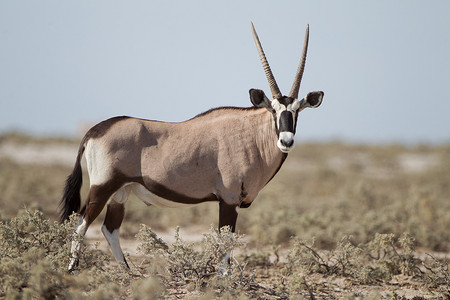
pixel 361 217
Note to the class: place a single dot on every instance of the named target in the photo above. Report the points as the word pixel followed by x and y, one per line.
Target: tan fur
pixel 216 153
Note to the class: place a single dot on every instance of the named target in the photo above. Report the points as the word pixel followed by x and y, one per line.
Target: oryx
pixel 226 154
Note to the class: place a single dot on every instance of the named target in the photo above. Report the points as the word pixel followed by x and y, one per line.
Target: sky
pixel 384 65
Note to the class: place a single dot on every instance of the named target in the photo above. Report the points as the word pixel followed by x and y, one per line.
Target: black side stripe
pixel 168 194
pixel 283 158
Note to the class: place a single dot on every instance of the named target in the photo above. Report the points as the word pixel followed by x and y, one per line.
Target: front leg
pixel 227 217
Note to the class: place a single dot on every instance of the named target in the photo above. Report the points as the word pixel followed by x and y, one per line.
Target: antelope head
pixel 285 109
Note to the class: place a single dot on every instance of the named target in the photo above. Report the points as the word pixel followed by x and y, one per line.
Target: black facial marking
pixel 286 122
pixel 295 124
pixel 286 100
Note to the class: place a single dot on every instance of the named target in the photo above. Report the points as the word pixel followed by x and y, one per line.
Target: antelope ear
pixel 259 99
pixel 313 100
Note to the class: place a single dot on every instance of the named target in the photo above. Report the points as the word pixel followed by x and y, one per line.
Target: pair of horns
pixel 298 77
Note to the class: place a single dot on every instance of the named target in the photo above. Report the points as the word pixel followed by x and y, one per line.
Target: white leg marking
pixel 223 269
pixel 79 233
pixel 114 243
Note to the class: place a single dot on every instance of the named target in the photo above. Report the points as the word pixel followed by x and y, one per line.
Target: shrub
pixel 437 275
pixel 34 255
pixel 377 260
pixel 182 264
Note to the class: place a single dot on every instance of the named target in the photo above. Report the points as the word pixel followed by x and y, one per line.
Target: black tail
pixel 71 200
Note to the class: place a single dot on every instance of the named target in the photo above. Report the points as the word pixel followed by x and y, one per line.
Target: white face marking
pixel 277 105
pixel 279 108
pixel 98 163
pixel 295 105
pixel 288 138
pixel 114 243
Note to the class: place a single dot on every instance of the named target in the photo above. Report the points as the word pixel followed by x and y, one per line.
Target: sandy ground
pixel 40 154
pixel 191 234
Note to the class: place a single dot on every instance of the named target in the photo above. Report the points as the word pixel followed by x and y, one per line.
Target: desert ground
pixel 339 221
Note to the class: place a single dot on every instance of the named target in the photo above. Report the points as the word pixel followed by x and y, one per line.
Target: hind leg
pixel 96 200
pixel 115 213
pixel 76 245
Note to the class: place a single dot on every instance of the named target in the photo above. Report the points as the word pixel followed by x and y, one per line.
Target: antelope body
pixel 226 155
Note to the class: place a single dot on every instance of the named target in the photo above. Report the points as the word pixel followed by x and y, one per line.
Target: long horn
pixel 301 67
pixel 273 84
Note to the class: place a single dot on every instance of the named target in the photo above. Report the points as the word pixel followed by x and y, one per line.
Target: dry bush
pixel 437 275
pixel 182 265
pixel 34 255
pixel 373 262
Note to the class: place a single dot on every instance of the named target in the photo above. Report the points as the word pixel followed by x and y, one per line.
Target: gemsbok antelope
pixel 226 154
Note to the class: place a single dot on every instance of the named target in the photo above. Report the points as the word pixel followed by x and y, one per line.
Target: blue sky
pixel 384 65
